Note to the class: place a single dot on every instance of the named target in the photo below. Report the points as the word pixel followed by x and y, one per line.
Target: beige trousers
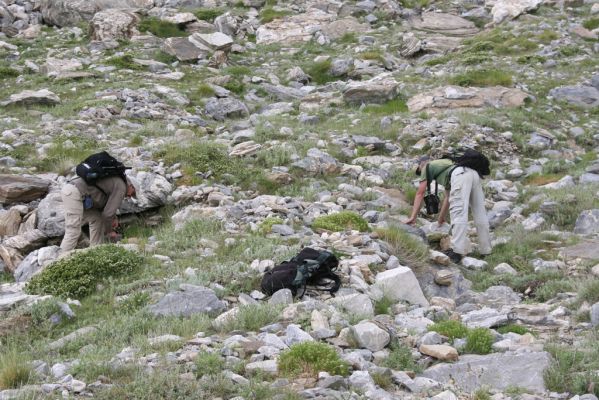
pixel 75 217
pixel 467 192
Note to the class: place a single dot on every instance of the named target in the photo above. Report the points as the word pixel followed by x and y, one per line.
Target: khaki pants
pixel 75 217
pixel 467 192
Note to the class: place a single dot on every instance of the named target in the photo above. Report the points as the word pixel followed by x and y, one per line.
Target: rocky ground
pixel 246 122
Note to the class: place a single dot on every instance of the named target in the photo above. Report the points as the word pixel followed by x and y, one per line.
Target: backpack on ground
pixel 471 158
pixel 98 166
pixel 309 268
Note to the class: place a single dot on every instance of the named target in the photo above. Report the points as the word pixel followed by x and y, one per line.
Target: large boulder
pixel 29 97
pixel 370 336
pixel 154 192
pixel 446 24
pixel 227 107
pixel 379 89
pixel 13 249
pixel 358 304
pixel 495 371
pixel 214 41
pixel 456 97
pixel 71 12
pixel 587 222
pixel 189 300
pixel 113 24
pixel 10 220
pixel 293 29
pixel 35 262
pixel 184 49
pixel 318 162
pixel 340 27
pixel 401 284
pixel 12 296
pixel 18 188
pixel 50 215
pixel 583 96
pixel 510 9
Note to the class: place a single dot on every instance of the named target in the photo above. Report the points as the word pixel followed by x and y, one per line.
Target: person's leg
pixel 479 214
pixel 96 226
pixel 459 198
pixel 73 215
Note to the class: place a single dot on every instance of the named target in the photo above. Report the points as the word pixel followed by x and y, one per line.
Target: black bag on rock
pixel 309 268
pixel 431 200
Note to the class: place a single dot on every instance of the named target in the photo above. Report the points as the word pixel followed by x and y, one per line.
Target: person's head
pixel 422 161
pixel 132 187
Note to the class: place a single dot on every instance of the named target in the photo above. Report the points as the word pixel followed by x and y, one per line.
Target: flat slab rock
pixel 18 188
pixel 27 97
pixel 189 300
pixel 588 250
pixel 447 24
pixel 456 97
pixel 496 371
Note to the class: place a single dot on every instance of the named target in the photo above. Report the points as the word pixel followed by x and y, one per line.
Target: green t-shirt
pixel 439 171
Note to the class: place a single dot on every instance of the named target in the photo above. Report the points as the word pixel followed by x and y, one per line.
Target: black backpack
pixel 471 158
pixel 99 166
pixel 309 267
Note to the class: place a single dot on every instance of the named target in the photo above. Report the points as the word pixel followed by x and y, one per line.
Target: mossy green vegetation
pixel 208 14
pixel 397 105
pixel 160 28
pixel 479 341
pixel 124 62
pixel 310 358
pixel 400 358
pixel 209 364
pixel 450 328
pixel 591 23
pixel 514 328
pixel 269 14
pixel 266 225
pixel 252 317
pixel 483 77
pixel 77 276
pixel 320 72
pixel 7 72
pixel 341 221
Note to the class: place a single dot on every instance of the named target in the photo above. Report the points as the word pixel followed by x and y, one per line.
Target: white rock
pixel 371 336
pixel 401 284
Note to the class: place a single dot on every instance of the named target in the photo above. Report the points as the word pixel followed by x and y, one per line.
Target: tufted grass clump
pixel 7 72
pixel 208 14
pixel 450 328
pixel 43 310
pixel 77 276
pixel 14 370
pixel 408 248
pixel 160 28
pixel 320 72
pixel 266 225
pixel 591 23
pixel 400 358
pixel 519 329
pixel 209 364
pixel 124 62
pixel 479 341
pixel 483 77
pixel 341 221
pixel 310 358
pixel 252 317
pixel 397 105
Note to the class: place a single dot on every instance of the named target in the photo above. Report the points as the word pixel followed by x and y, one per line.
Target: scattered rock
pixel 29 97
pixel 187 301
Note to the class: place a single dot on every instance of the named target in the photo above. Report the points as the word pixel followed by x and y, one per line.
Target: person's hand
pixel 441 221
pixel 411 221
pixel 114 237
pixel 115 223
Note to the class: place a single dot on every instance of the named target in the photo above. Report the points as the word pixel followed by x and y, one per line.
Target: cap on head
pixel 421 159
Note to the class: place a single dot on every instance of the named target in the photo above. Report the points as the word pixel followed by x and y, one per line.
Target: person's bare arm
pixel 444 208
pixel 417 202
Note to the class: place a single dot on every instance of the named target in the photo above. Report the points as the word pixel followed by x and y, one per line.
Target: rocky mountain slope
pixel 257 127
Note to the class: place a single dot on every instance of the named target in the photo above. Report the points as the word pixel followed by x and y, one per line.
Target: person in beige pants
pixel 103 201
pixel 463 191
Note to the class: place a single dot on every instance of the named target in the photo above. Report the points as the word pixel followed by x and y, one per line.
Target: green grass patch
pixel 160 28
pixel 124 62
pixel 236 86
pixel 341 221
pixel 519 329
pixel 253 317
pixel 77 276
pixel 205 90
pixel 449 328
pixel 209 364
pixel 65 153
pixel 438 61
pixel 310 358
pixel 320 72
pixel 589 291
pixel 14 370
pixel 269 14
pixel 266 225
pixel 208 14
pixel 591 23
pixel 383 306
pixel 547 36
pixel 371 55
pixel 409 249
pixel 397 105
pixel 483 77
pixel 348 38
pixel 415 3
pixel 7 72
pixel 400 358
pixel 479 341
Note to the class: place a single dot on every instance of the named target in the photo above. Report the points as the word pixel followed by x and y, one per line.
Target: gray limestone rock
pixel 220 109
pixel 187 301
pixel 496 371
pixel 587 222
pixel 370 336
pixel 283 296
pixel 583 96
pixel 401 284
pixel 35 262
pixel 29 97
pixel 50 215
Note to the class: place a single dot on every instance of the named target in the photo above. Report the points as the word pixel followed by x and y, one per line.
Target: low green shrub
pixel 77 276
pixel 269 14
pixel 7 72
pixel 341 221
pixel 438 61
pixel 266 225
pixel 160 28
pixel 450 328
pixel 43 310
pixel 592 23
pixel 124 62
pixel 310 358
pixel 394 106
pixel 235 85
pixel 205 90
pixel 483 77
pixel 383 306
pixel 547 36
pixel 208 14
pixel 14 370
pixel 479 341
pixel 589 291
pixel 253 317
pixel 400 358
pixel 519 329
pixel 320 72
pixel 572 370
pixel 135 302
pixel 209 364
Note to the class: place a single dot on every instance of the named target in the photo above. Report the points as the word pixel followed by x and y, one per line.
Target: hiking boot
pixel 453 256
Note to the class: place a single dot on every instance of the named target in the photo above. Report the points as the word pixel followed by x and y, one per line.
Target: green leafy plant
pixel 409 249
pixel 160 28
pixel 209 364
pixel 341 221
pixel 310 358
pixel 479 341
pixel 483 77
pixel 450 328
pixel 591 23
pixel 43 310
pixel 383 306
pixel 135 302
pixel 77 276
pixel 400 358
pixel 14 370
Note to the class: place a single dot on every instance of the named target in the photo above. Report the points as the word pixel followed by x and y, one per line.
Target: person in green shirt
pixel 463 189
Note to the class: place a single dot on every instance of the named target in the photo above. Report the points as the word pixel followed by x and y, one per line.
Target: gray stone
pixel 113 24
pixel 484 318
pixel 447 24
pixel 583 96
pixel 587 222
pixel 219 109
pixel 361 380
pixel 473 263
pixel 19 188
pixel 379 89
pixel 401 284
pixel 188 301
pixel 214 41
pixel 50 215
pixel 430 338
pixel 455 97
pixel 358 304
pixel 504 268
pixel 184 50
pixel 29 97
pixel 595 314
pixel 509 9
pixel 35 262
pixel 496 371
pixel 76 335
pixel 71 12
pixel 283 230
pixel 295 334
pixel 341 66
pixel 589 178
pixel 371 336
pixel 283 296
pixel 269 366
pixel 413 323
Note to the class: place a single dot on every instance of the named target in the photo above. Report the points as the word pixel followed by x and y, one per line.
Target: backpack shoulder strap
pixel 429 179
